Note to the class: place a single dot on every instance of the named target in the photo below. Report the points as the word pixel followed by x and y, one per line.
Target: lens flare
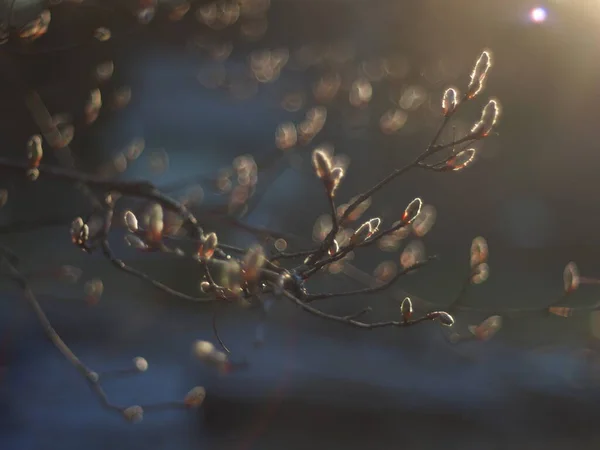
pixel 538 15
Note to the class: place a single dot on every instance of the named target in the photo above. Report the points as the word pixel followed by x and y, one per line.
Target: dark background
pixel 315 384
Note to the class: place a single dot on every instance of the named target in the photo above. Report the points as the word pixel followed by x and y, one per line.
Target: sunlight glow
pixel 538 15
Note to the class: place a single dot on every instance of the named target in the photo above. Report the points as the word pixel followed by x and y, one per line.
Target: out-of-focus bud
pixel 70 274
pixel 361 92
pixel 407 309
pixel 146 11
pixel 412 254
pixel 136 242
pixel 93 105
pixel 286 136
pixel 155 223
pixel 134 414
pixel 479 74
pixel 3 197
pixel 412 210
pixel 481 273
pixel 37 27
pixel 140 364
pixel 322 164
pixel 486 329
pixel 104 71
pixel 195 397
pixel 34 156
pixel 178 12
pixel 461 160
pixel 131 221
pixel 34 150
pixel 489 118
pixel 76 228
pixel 207 248
pixel 479 251
pixel 571 277
pixel 203 349
pixel 424 220
pixel 93 291
pixel 102 34
pixel 449 101
pixel 561 311
pixel 253 262
pixel 207 353
pixel 442 316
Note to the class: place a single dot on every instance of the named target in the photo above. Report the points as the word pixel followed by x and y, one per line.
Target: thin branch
pixel 351 319
pixel 371 290
pixel 90 376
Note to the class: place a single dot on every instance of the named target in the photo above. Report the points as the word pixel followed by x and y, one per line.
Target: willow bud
pixel 461 160
pixel 131 221
pixel 449 101
pixel 207 249
pixel 34 151
pixel 412 210
pixel 479 74
pixel 322 164
pixel 134 414
pixel 155 223
pixel 253 262
pixel 141 364
pixel 443 317
pixel 571 277
pixel 479 251
pixel 407 309
pixel 489 118
pixel 195 397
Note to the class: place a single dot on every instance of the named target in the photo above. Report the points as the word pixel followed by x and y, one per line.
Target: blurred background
pixel 183 96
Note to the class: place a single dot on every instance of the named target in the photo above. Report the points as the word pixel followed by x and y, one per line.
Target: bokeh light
pixel 538 15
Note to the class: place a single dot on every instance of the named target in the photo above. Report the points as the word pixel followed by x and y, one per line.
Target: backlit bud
pixel 131 221
pixel 407 309
pixel 479 74
pixel 205 287
pixel 443 317
pixel 322 164
pixel 337 173
pixel 365 231
pixel 461 160
pixel 489 118
pixel 412 210
pixel 449 101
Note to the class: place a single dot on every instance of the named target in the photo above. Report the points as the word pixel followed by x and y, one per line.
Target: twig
pixel 371 290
